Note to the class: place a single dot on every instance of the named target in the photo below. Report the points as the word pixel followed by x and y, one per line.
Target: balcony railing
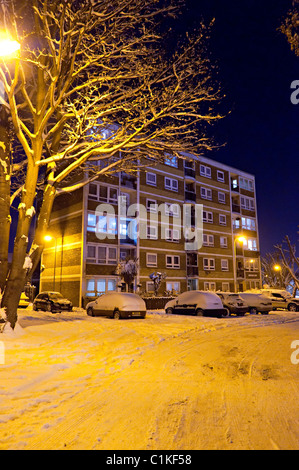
pixel 192 270
pixel 236 208
pixel 190 196
pixel 189 172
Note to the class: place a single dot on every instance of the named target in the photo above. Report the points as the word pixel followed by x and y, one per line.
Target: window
pixel 220 176
pixel 207 217
pixel 206 193
pixel 205 171
pixel 101 254
pixel 151 178
pixel 151 260
pixel 171 160
pixel 247 203
pixel 172 235
pixel 222 219
pixel 225 287
pixel 221 197
pixel 207 240
pixel 172 261
pixel 246 184
pixel 173 286
pixel 251 265
pixel 171 184
pixel 209 264
pixel 102 224
pixel 250 244
pixel 223 242
pixel 99 192
pixel 152 232
pixel 150 286
pixel 248 224
pixel 209 286
pixel 151 205
pixel 224 265
pixel 98 286
pixel 172 209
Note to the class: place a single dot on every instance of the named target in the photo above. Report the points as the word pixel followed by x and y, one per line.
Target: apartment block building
pixel 91 233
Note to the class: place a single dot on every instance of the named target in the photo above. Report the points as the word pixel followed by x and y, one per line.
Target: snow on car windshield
pixel 55 295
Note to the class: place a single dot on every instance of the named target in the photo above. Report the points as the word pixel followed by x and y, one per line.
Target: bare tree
pixel 91 82
pixel 274 273
pixel 290 27
pixel 290 261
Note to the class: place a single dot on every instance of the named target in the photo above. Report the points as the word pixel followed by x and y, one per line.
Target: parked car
pixel 196 302
pixel 24 301
pixel 117 305
pixel 257 303
pixel 281 299
pixel 52 302
pixel 233 303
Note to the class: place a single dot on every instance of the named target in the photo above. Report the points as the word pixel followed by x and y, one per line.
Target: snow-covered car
pixel 233 302
pixel 52 302
pixel 282 299
pixel 257 303
pixel 24 301
pixel 117 305
pixel 196 302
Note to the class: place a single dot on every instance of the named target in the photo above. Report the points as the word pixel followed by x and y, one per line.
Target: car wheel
pixel 199 312
pixel 253 311
pixel 169 311
pixel 116 315
pixel 292 308
pixel 90 311
pixel 227 314
pixel 49 308
pixel 265 313
pixel 34 307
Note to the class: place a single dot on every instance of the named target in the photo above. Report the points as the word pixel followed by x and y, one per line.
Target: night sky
pixel 255 70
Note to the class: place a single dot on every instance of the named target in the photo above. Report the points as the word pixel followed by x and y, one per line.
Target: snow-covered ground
pixel 70 381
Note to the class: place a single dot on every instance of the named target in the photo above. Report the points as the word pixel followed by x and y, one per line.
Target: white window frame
pixel 171 184
pixel 172 209
pixel 152 182
pixel 208 285
pixel 152 232
pixel 107 259
pixel 225 287
pixel 151 207
pixel 205 171
pixel 171 160
pixel 223 242
pixel 172 264
pixel 224 265
pixel 206 217
pixel 220 176
pixel 221 197
pixel 108 199
pixel 207 239
pixel 223 222
pixel 171 286
pixel 206 193
pixel 208 264
pixel 172 235
pixel 247 203
pixel 151 264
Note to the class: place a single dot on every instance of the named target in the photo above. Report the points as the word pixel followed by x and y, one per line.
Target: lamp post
pixel 240 239
pixel 49 238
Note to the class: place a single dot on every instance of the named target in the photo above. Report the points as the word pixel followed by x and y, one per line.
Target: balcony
pixel 190 196
pixel 192 270
pixel 240 273
pixel 189 173
pixel 236 208
pixel 128 181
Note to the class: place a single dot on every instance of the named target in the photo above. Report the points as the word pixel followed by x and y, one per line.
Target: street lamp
pixel 240 239
pixel 49 238
pixel 277 267
pixel 8 46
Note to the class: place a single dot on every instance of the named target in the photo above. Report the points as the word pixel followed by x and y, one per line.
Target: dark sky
pixel 256 68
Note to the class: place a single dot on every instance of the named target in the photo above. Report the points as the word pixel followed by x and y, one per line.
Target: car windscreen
pixel 55 296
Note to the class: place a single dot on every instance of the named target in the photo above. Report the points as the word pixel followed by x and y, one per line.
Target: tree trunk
pixel 4 195
pixel 17 275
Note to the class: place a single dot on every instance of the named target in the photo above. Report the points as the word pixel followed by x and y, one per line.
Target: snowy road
pixel 70 381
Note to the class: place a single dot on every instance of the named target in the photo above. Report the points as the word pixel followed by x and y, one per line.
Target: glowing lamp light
pixel 8 46
pixel 48 238
pixel 241 239
pixel 277 267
